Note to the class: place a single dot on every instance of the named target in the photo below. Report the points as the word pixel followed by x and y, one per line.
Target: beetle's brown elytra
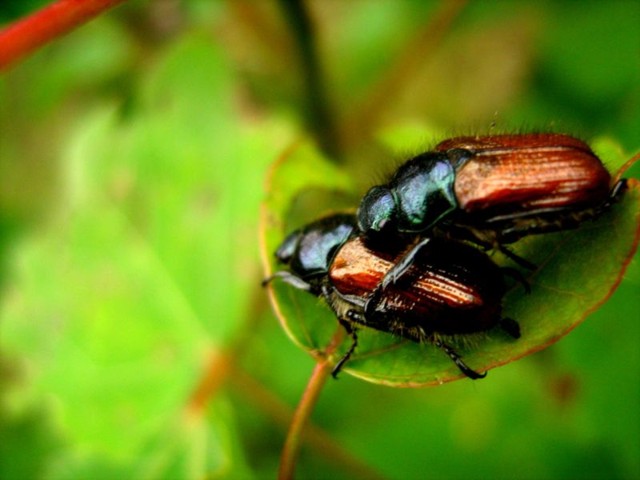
pixel 518 173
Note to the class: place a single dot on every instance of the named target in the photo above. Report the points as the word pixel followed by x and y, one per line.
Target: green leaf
pixel 122 297
pixel 577 271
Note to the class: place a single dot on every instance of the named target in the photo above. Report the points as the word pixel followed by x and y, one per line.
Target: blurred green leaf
pixel 29 439
pixel 14 9
pixel 588 56
pixel 125 284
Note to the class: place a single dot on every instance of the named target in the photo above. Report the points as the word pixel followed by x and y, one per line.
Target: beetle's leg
pixel 615 195
pixel 289 278
pixel 487 240
pixel 510 326
pixel 392 276
pixel 376 320
pixel 453 355
pixel 372 302
pixel 356 317
pixel 616 192
pixel 516 258
pixel 354 336
pixel 402 265
pixel 517 276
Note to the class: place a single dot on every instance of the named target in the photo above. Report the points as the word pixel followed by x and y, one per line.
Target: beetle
pixel 309 251
pixel 492 190
pixel 451 291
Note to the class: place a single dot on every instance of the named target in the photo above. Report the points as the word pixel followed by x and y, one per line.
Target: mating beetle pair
pixel 490 191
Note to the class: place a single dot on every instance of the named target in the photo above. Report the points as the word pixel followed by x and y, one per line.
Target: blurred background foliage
pixel 135 340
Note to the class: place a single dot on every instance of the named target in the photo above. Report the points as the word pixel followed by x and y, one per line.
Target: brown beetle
pixel 511 185
pixel 451 290
pixel 491 190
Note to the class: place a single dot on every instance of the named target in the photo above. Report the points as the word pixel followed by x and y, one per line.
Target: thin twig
pixel 421 46
pixel 319 116
pixel 300 417
pixel 308 401
pixel 214 377
pixel 626 166
pixel 222 362
pixel 55 20
pixel 317 439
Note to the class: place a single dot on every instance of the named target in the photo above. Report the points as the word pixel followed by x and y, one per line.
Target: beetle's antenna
pixel 289 278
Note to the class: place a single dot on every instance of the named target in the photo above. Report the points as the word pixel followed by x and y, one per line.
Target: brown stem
pixel 322 444
pixel 221 362
pixel 215 375
pixel 30 33
pixel 627 165
pixel 301 416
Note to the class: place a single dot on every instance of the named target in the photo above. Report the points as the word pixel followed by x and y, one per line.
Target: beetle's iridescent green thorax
pixel 424 191
pixel 420 193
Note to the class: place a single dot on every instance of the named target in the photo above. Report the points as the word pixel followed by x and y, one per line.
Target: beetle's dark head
pixel 378 211
pixel 310 250
pixel 287 249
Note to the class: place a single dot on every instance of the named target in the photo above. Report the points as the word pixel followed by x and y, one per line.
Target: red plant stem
pixel 59 18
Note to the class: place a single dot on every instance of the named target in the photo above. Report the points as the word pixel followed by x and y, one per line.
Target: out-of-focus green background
pixel 133 154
